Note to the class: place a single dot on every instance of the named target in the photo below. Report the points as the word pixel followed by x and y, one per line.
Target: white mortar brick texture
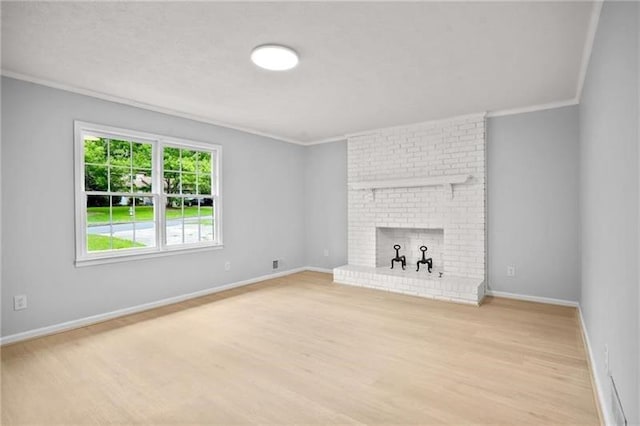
pixel 448 147
pixel 464 290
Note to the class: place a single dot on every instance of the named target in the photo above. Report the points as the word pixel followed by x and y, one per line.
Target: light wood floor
pixel 302 350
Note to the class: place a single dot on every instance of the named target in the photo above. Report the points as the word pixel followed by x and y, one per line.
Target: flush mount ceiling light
pixel 274 57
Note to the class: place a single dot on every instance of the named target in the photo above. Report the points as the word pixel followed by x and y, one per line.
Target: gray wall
pixel 326 204
pixel 609 200
pixel 263 196
pixel 533 220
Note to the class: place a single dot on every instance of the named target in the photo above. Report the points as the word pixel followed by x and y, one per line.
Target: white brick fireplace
pixel 417 185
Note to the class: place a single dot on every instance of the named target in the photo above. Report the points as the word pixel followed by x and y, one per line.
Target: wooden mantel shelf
pixel 447 183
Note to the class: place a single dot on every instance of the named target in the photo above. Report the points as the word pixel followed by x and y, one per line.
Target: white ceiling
pixel 363 65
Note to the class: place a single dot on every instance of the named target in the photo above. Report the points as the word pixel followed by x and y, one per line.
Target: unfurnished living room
pixel 296 213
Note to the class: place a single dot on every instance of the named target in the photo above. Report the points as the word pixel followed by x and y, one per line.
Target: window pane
pixel 122 218
pixel 172 182
pixel 143 210
pixel 191 229
pixel 121 209
pixel 120 179
pixel 142 180
pixel 171 159
pixel 98 224
pixel 206 219
pixel 98 242
pixel 173 226
pixel 98 211
pixel 144 225
pixel 123 238
pixel 190 207
pixel 206 206
pixel 120 153
pixel 96 178
pixel 206 230
pixel 141 155
pixel 95 150
pixel 191 218
pixel 145 234
pixel 204 184
pixel 189 159
pixel 174 208
pixel 188 183
pixel 204 163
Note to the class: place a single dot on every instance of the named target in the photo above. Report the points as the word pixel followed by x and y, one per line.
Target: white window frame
pixel 158 142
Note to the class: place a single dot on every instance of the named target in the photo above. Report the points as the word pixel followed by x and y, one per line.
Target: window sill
pixel 127 257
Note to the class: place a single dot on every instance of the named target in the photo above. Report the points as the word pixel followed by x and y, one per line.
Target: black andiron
pixel 424 260
pixel 398 258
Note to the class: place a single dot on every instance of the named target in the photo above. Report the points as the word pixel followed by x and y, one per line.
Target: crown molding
pixel 532 108
pixel 142 105
pixel 588 46
pixel 488 114
pixel 327 140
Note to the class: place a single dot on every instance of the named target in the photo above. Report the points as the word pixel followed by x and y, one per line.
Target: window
pixel 141 195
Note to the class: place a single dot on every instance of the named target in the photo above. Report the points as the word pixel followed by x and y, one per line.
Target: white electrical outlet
pixel 606 358
pixel 326 252
pixel 227 265
pixel 511 271
pixel 19 302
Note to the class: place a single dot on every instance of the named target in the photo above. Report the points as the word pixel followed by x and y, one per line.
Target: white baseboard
pixel 83 322
pixel 599 390
pixel 525 297
pixel 316 269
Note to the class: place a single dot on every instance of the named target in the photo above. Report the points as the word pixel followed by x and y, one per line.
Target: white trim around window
pixel 156 191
